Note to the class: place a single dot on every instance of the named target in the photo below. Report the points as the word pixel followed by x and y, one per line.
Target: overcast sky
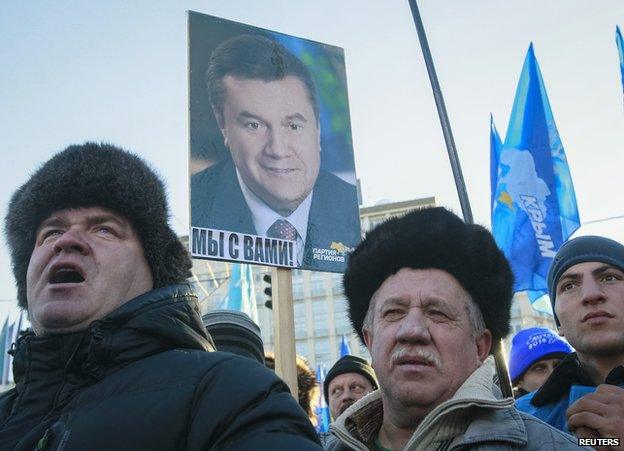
pixel 117 71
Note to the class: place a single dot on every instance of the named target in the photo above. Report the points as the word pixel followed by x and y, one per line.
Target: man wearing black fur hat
pixel 349 379
pixel 118 358
pixel 585 392
pixel 428 295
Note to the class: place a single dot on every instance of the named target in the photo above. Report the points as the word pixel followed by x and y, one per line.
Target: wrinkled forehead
pixel 409 286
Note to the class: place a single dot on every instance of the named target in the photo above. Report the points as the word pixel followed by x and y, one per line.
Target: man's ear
pixel 221 123
pixel 484 344
pixel 368 338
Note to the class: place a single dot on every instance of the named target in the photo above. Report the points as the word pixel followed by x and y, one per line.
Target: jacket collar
pixel 156 321
pixel 452 421
pixel 569 372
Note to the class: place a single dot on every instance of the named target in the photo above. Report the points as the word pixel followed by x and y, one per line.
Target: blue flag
pixel 345 349
pixel 322 410
pixel 241 293
pixel 620 45
pixel 533 202
pixel 4 347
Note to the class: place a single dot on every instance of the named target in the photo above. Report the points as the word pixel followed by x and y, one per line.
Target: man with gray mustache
pixel 429 296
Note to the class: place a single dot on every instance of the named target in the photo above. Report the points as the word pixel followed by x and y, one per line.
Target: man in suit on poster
pixel 271 184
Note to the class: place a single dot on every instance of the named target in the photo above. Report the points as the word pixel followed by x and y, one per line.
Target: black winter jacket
pixel 141 379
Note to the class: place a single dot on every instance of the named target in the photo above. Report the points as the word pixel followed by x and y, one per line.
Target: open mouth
pixel 66 274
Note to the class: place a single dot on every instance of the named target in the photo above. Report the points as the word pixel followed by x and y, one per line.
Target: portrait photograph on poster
pixel 272 173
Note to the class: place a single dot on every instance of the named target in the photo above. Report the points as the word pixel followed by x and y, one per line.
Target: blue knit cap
pixel 533 344
pixel 583 249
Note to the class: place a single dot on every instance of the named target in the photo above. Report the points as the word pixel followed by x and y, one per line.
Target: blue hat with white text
pixel 531 345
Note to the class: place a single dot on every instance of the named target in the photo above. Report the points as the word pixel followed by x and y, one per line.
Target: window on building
pixel 341 317
pixel 297 290
pixel 319 313
pixel 302 348
pixel 337 284
pixel 301 324
pixel 318 288
pixel 321 351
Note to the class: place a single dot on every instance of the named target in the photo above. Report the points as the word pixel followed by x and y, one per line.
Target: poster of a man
pixel 272 171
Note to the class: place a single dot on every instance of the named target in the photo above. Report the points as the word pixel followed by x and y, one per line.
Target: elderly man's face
pixel 86 263
pixel 421 342
pixel 344 389
pixel 274 138
pixel 590 308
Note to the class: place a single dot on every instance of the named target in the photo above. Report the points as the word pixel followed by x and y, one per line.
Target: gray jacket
pixel 474 418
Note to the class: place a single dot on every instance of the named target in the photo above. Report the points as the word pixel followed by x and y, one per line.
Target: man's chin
pixel 284 206
pixel 59 317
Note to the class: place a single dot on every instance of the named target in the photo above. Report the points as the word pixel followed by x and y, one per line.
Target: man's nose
pixel 278 145
pixel 347 396
pixel 591 291
pixel 71 241
pixel 413 328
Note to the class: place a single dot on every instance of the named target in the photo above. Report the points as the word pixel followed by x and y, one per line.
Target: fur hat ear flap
pixel 97 175
pixel 438 239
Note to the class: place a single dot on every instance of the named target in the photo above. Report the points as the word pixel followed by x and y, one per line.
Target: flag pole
pixel 501 367
pixel 444 120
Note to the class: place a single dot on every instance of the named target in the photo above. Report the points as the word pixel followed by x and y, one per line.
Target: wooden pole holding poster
pixel 501 367
pixel 284 328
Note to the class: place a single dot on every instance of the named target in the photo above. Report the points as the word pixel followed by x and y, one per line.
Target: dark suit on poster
pixel 217 202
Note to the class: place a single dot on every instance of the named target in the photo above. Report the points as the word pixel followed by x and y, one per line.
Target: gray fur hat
pixel 432 238
pixel 99 175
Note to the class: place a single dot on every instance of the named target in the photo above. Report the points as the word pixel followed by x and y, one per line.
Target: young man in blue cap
pixel 585 393
pixel 535 352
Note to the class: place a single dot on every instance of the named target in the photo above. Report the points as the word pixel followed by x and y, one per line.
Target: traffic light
pixel 268 291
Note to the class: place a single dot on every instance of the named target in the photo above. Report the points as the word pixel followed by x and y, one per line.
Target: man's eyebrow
pixel 577 275
pixel 394 300
pixel 55 221
pixel 298 116
pixel 249 115
pixel 603 268
pixel 569 276
pixel 59 221
pixel 102 218
pixel 435 302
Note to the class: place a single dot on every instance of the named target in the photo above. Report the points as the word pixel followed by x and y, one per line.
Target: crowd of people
pixel 119 356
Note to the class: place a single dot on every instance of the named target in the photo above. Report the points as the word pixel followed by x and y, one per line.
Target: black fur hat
pixel 432 238
pixel 99 175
